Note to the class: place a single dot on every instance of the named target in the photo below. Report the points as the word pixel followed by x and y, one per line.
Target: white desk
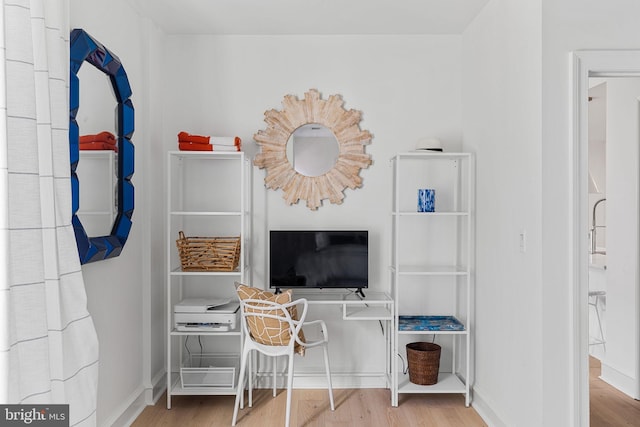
pixel 375 306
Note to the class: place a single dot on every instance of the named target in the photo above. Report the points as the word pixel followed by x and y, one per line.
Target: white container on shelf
pixel 209 370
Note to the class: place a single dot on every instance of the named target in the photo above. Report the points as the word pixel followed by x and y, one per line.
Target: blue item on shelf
pixel 429 323
pixel 426 200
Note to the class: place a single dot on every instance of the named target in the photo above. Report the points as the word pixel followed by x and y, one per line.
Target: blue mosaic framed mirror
pixel 84 48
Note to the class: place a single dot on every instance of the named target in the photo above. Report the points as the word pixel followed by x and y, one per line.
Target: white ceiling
pixel 272 17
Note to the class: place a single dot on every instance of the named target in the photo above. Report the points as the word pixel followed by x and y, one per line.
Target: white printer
pixel 202 314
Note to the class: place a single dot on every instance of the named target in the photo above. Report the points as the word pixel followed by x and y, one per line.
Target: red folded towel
pixel 188 146
pixel 193 139
pixel 97 146
pixel 105 136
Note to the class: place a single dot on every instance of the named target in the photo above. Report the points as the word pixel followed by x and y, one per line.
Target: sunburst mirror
pixel 313 149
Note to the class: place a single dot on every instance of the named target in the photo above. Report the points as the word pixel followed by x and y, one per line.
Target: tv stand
pixel 360 293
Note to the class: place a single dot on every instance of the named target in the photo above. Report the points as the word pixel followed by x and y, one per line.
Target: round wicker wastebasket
pixel 424 362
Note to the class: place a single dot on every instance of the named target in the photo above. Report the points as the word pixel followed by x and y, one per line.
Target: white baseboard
pixel 619 380
pixel 136 402
pixel 128 411
pixel 483 408
pixel 159 385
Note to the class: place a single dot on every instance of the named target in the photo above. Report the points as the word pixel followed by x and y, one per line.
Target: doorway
pixel 588 65
pixel 597 209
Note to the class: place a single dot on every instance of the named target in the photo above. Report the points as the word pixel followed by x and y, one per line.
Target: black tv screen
pixel 318 259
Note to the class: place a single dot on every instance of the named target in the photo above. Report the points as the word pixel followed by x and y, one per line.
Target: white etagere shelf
pixel 98 196
pixel 179 272
pixel 447 383
pixel 178 390
pixel 428 214
pixel 439 245
pixel 221 210
pixel 206 333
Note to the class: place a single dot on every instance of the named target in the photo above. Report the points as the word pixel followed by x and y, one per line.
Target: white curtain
pixel 48 343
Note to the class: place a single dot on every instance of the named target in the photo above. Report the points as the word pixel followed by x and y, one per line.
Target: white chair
pixel 262 309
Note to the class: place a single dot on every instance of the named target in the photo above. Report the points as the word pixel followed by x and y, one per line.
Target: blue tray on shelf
pixel 429 323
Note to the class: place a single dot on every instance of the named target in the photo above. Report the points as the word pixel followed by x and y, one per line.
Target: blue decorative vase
pixel 426 200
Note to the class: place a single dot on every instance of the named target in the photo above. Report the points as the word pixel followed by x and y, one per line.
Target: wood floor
pixel 365 407
pixel 610 407
pixel 354 408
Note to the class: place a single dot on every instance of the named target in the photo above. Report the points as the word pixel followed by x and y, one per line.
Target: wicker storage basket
pixel 424 362
pixel 208 253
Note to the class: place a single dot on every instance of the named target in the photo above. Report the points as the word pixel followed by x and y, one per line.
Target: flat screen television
pixel 319 259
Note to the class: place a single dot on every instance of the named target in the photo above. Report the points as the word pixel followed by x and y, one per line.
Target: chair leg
pixel 250 381
pixel 240 390
pixel 326 366
pixel 289 389
pixel 275 374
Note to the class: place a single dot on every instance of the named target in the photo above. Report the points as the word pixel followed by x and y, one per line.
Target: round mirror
pixel 329 166
pixel 312 149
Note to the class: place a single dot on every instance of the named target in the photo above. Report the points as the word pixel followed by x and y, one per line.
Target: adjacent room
pixel 424 183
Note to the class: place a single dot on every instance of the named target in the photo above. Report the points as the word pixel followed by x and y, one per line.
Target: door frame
pixel 586 64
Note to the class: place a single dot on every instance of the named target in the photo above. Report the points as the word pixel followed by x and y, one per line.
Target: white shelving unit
pixel 98 193
pixel 431 266
pixel 207 196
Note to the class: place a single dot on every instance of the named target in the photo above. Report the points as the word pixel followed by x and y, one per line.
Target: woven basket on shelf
pixel 208 253
pixel 424 362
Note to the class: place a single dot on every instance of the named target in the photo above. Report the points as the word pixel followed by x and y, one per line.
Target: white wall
pixel 620 366
pixel 124 293
pixel 567 26
pixel 155 161
pixel 406 86
pixel 501 122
